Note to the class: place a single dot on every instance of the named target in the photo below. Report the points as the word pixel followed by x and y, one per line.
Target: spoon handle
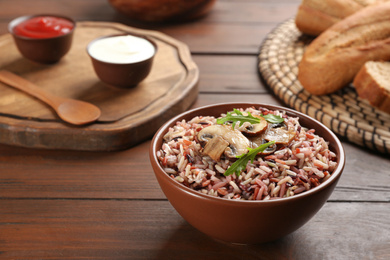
pixel 22 84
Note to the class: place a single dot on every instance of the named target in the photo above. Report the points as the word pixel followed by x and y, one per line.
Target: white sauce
pixel 122 49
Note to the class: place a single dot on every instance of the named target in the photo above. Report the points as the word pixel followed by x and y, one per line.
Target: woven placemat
pixel 343 112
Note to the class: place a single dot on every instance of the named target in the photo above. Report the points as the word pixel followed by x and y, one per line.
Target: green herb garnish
pixel 238 166
pixel 273 119
pixel 240 117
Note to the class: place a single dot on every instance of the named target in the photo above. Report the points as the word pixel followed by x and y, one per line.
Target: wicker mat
pixel 343 112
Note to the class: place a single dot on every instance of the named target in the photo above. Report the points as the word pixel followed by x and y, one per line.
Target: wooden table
pixel 108 205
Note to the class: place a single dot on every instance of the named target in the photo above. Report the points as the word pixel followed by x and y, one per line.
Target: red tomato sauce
pixel 43 27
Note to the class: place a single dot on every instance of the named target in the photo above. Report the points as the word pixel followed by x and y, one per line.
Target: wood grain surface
pixel 170 87
pixel 58 204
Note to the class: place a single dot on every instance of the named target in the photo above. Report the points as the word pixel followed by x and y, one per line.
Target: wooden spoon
pixel 73 111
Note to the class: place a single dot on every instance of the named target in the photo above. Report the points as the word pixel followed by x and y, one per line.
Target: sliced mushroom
pixel 259 140
pixel 215 147
pixel 281 135
pixel 237 142
pixel 276 125
pixel 256 129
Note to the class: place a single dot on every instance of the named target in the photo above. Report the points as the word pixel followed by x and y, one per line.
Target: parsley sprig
pixel 238 166
pixel 238 116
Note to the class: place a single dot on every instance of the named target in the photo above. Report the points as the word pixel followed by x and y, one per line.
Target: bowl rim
pixel 162 130
pixel 122 34
pixel 23 18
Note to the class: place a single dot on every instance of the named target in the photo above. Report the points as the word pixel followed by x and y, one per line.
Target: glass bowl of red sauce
pixel 42 38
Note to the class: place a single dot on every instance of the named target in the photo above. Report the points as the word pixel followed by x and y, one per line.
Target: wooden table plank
pixel 128 174
pixel 259 11
pixel 67 174
pixel 243 78
pixel 221 38
pixel 222 31
pixel 153 230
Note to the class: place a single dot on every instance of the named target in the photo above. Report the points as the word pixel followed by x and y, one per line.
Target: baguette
pixel 373 84
pixel 315 16
pixel 333 59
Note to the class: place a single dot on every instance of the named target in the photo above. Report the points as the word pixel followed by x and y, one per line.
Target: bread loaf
pixel 333 59
pixel 373 84
pixel 315 16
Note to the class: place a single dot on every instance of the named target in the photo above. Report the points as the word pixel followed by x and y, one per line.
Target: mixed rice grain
pixel 304 163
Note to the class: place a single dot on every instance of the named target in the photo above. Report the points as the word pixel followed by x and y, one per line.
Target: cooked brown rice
pixel 305 163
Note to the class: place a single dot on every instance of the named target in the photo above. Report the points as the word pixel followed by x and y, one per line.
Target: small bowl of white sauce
pixel 122 60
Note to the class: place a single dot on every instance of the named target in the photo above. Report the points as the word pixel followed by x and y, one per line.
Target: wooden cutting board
pixel 128 116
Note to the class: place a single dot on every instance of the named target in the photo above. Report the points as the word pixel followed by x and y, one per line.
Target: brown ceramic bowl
pixel 122 75
pixel 163 10
pixel 42 50
pixel 246 222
